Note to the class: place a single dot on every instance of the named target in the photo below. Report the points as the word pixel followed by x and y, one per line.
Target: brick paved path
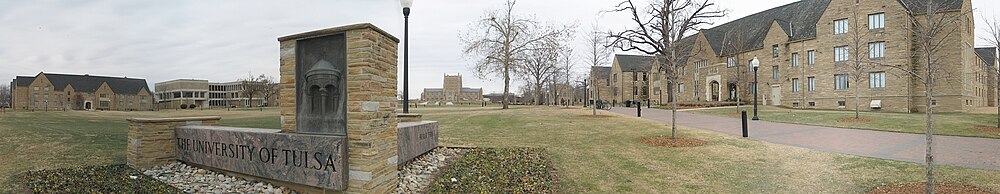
pixel 949 150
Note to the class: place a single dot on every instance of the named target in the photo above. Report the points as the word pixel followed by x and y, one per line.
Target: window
pixel 680 87
pixel 876 21
pixel 645 76
pixel 774 51
pixel 812 57
pixel 36 88
pixel 774 72
pixel 840 82
pixel 876 80
pixel 840 53
pixel 841 103
pixel 812 103
pixel 750 65
pixel 933 103
pixel 635 77
pixel 635 91
pixel 840 26
pixel 795 85
pixel 811 83
pixel 46 88
pixel 104 95
pixel 876 50
pixel 795 59
pixel 731 62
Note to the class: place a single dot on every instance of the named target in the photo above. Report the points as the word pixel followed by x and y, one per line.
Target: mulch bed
pixel 596 116
pixel 91 179
pixel 988 129
pixel 672 142
pixel 920 188
pixel 856 120
pixel 499 170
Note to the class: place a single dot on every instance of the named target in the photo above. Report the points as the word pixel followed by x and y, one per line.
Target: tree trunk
pixel 857 102
pixel 506 86
pixel 930 135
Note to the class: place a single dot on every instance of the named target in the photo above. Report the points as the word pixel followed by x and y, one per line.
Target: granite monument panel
pixel 314 160
pixel 321 85
pixel 415 138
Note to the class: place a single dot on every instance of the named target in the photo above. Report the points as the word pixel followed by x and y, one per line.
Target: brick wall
pixel 152 141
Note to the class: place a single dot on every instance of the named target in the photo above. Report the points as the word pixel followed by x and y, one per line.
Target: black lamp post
pixel 755 63
pixel 406 54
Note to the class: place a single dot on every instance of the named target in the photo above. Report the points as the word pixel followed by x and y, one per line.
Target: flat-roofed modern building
pixel 179 93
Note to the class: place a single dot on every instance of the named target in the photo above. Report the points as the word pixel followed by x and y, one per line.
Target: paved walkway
pixel 949 150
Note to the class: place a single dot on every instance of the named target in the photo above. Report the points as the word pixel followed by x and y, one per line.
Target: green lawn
pixel 954 124
pixel 591 155
pixel 603 155
pixel 48 140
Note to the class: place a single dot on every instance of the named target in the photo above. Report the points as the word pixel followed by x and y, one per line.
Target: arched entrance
pixel 87 106
pixel 732 91
pixel 715 90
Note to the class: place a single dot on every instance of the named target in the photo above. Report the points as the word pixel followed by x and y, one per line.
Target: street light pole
pixel 406 54
pixel 755 63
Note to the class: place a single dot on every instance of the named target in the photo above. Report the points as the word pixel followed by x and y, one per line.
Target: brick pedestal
pixel 152 141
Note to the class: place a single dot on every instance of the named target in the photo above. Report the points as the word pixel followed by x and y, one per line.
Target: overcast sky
pixel 228 39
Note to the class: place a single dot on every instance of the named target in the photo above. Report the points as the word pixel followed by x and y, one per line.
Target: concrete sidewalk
pixel 949 150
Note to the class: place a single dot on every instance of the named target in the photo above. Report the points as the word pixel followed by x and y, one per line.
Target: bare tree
pixel 932 34
pixel 5 96
pixel 255 85
pixel 271 91
pixel 857 66
pixel 992 37
pixel 567 65
pixel 539 69
pixel 598 53
pixel 734 46
pixel 659 29
pixel 500 38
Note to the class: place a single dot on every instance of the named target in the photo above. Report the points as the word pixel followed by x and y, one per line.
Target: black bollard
pixel 744 116
pixel 638 109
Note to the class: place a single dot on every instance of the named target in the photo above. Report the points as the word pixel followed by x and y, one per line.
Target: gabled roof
pixel 634 63
pixel 89 83
pixel 920 6
pixel 24 81
pixel 798 20
pixel 600 72
pixel 987 54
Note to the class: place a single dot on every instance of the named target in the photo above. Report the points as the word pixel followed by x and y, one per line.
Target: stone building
pixel 599 84
pixel 453 91
pixel 630 79
pixel 803 46
pixel 202 93
pixel 51 91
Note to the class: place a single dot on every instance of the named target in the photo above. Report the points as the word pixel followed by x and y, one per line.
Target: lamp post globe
pixel 756 64
pixel 406 4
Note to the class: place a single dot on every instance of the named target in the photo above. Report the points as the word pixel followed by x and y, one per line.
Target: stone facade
pixel 709 76
pixel 48 91
pixel 630 79
pixel 152 141
pixel 453 91
pixel 371 80
pixel 599 84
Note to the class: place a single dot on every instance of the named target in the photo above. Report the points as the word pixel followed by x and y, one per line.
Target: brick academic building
pixel 50 91
pixel 801 46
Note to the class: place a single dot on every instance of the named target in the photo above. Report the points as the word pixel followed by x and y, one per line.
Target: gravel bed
pixel 417 175
pixel 195 180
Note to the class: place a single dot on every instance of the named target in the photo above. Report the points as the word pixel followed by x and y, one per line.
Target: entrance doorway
pixel 715 90
pixel 732 91
pixel 87 106
pixel 776 95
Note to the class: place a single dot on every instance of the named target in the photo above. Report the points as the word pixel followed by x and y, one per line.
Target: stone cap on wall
pixel 411 124
pixel 323 32
pixel 237 129
pixel 173 119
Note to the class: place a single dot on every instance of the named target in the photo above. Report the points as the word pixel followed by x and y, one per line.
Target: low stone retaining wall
pixel 415 138
pixel 152 141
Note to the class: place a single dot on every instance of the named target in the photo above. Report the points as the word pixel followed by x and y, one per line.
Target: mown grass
pixel 604 155
pixel 953 124
pixel 591 155
pixel 51 140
